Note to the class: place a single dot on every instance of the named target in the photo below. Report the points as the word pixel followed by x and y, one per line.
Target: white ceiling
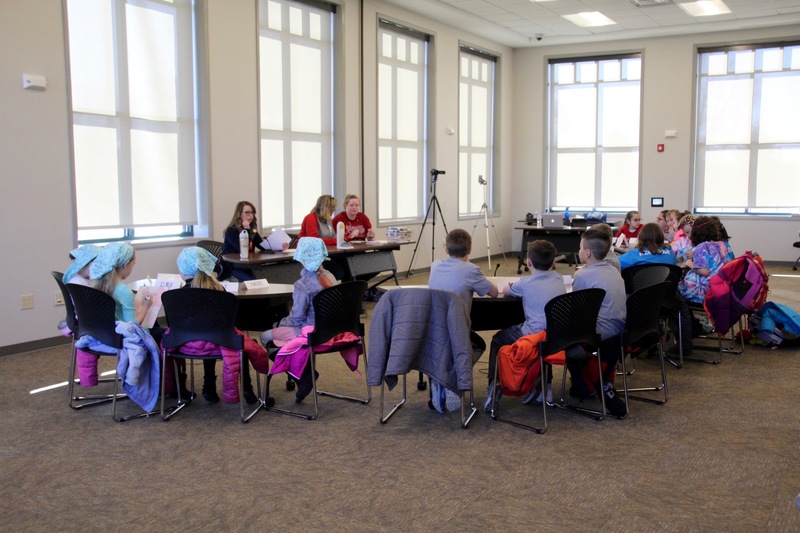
pixel 517 23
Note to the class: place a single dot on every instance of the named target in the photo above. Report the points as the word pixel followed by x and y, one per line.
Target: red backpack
pixel 740 287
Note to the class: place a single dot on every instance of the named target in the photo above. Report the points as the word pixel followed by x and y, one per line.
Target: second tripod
pixel 486 222
pixel 433 206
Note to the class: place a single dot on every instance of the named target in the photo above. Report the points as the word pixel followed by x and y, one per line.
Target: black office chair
pixel 796 245
pixel 432 309
pixel 201 315
pixel 644 275
pixel 642 331
pixel 94 310
pixel 70 318
pixel 571 320
pixel 215 247
pixel 336 310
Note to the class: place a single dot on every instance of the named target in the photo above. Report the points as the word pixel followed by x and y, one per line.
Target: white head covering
pixel 83 256
pixel 311 252
pixel 112 256
pixel 194 258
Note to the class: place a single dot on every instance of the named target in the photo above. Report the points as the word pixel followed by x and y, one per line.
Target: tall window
pixel 476 130
pixel 402 86
pixel 594 121
pixel 747 156
pixel 132 75
pixel 296 107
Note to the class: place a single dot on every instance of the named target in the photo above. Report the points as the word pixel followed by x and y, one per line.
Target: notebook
pixel 552 220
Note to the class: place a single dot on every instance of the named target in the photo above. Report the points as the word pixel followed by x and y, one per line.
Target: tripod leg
pixel 419 237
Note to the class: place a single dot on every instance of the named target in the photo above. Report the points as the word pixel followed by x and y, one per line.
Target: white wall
pixel 668 100
pixel 36 201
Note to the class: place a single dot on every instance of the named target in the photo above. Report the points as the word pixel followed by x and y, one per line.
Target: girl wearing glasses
pixel 244 218
pixel 630 230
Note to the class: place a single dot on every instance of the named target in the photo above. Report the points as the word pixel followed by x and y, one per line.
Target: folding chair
pixel 201 315
pixel 642 330
pixel 571 320
pixel 336 310
pixel 94 310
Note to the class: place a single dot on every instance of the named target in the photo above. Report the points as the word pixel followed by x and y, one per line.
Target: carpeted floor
pixel 721 455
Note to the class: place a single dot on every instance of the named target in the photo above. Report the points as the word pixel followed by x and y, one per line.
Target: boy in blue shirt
pixel 536 290
pixel 456 274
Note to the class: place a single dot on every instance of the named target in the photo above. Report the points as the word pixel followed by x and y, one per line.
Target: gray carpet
pixel 721 455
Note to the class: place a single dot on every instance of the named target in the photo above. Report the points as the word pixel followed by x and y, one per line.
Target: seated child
pixel 611 258
pixel 311 252
pixel 78 272
pixel 109 270
pixel 630 229
pixel 610 322
pixel 536 290
pixel 650 248
pixel 682 243
pixel 456 274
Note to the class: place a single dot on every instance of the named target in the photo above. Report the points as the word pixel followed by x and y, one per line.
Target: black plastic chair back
pixel 671 298
pixel 643 313
pixel 629 275
pixel 95 312
pixel 215 247
pixel 72 322
pixel 572 319
pixel 337 310
pixel 201 315
pixel 652 275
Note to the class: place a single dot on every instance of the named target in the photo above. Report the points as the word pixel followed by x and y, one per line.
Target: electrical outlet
pixel 59 298
pixel 25 301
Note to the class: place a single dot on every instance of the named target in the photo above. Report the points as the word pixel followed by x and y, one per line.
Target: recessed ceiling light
pixel 705 8
pixel 651 3
pixel 589 18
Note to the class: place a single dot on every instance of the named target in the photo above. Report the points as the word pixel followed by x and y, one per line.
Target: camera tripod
pixel 433 206
pixel 486 222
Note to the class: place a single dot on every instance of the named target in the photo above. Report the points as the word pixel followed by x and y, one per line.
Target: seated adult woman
pixel 650 248
pixel 244 218
pixel 318 222
pixel 356 224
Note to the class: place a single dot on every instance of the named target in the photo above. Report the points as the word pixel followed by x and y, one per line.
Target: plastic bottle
pixel 244 244
pixel 566 216
pixel 538 219
pixel 340 242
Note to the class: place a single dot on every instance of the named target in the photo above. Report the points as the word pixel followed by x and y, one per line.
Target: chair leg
pixel 397 406
pixel 467 413
pixel 79 402
pixel 597 415
pixel 495 407
pixel 661 387
pixel 246 415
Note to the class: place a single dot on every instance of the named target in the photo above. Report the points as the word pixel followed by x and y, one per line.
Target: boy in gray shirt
pixel 456 274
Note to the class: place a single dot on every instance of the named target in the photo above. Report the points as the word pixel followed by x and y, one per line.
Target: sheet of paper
pixel 231 286
pixel 277 238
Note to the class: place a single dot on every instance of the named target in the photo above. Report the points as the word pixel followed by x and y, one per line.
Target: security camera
pixel 539 36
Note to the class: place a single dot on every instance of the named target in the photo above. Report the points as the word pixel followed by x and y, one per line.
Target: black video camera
pixel 435 172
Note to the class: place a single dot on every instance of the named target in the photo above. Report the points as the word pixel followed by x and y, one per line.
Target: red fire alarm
pixel 660 148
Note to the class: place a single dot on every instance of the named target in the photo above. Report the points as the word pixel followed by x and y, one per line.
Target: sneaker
pixel 487 406
pixel 614 405
pixel 438 396
pixel 452 400
pixel 535 395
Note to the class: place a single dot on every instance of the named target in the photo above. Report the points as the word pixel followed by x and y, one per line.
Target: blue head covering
pixel 311 252
pixel 82 256
pixel 113 256
pixel 194 258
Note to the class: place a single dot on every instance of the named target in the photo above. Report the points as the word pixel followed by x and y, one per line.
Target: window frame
pixel 598 150
pixel 190 176
pixel 470 190
pixel 424 183
pixel 753 146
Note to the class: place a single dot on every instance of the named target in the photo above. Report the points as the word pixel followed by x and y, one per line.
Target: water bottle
pixel 340 242
pixel 566 216
pixel 538 219
pixel 244 244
